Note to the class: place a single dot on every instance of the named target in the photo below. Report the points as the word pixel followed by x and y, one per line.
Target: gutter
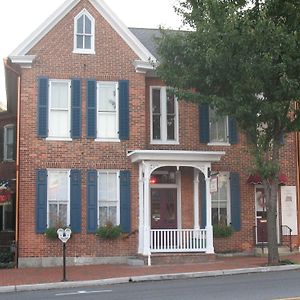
pixel 6 65
pixel 298 183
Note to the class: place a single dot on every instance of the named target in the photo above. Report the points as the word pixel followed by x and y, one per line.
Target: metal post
pixel 64 262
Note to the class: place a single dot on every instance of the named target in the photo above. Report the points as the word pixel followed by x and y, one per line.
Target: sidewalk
pixel 36 278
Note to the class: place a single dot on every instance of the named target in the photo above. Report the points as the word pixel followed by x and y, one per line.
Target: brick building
pixel 101 141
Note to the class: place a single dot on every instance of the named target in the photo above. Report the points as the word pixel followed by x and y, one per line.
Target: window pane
pixel 63 215
pixel 112 215
pixel 59 124
pixel 112 187
pixel 59 95
pixel 53 215
pixel 170 104
pixel 102 216
pixel 107 127
pixel 80 24
pixel 171 127
pixel 88 25
pixel 9 151
pixel 218 127
pixel 107 97
pixel 9 135
pixel 87 42
pixel 79 41
pixel 58 186
pixel 156 101
pixel 156 127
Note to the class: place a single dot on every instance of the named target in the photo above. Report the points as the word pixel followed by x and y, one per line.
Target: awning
pixel 256 179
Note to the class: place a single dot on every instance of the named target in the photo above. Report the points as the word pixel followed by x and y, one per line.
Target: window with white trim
pixel 218 128
pixel 59 109
pixel 164 116
pixel 107 110
pixel 108 198
pixel 9 142
pixel 84 33
pixel 58 198
pixel 220 201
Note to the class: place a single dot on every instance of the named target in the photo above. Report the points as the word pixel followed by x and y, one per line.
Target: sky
pixel 19 18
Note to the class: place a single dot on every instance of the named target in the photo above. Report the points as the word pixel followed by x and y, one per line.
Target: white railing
pixel 177 240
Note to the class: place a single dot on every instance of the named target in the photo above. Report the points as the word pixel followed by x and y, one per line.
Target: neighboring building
pixel 8 121
pixel 101 140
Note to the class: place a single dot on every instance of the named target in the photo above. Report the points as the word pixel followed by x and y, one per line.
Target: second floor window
pixel 84 33
pixel 59 108
pixel 164 116
pixel 9 142
pixel 218 127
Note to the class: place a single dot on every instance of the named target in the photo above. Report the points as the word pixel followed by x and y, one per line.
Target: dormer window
pixel 84 33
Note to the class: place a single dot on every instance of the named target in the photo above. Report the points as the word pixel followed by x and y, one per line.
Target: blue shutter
pixel 235 201
pixel 92 201
pixel 233 134
pixel 76 109
pixel 41 200
pixel 204 123
pixel 202 185
pixel 91 108
pixel 43 87
pixel 125 211
pixel 123 109
pixel 75 182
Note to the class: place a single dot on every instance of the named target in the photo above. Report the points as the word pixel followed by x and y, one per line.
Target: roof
pixel 20 54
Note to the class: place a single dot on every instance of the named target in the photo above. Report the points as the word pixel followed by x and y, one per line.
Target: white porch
pixel 153 240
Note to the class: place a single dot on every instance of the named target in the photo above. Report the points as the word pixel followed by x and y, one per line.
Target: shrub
pixel 222 231
pixel 51 233
pixel 109 231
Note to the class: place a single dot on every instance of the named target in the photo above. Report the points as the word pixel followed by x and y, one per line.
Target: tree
pixel 242 58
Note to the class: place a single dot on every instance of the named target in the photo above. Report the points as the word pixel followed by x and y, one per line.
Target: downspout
pixel 17 158
pixel 298 183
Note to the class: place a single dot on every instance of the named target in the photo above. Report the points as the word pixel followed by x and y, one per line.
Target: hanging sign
pixel 213 184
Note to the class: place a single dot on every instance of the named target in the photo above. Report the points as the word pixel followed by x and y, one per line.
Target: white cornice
pixel 175 155
pixel 25 61
pixel 141 51
pixel 144 66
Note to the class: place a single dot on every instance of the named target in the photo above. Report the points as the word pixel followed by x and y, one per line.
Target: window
pixel 58 195
pixel 220 201
pixel 59 109
pixel 107 110
pixel 164 116
pixel 218 127
pixel 108 198
pixel 6 217
pixel 9 142
pixel 57 101
pixel 84 33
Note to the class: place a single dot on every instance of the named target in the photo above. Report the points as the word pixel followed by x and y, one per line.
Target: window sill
pixel 218 144
pixel 83 51
pixel 112 140
pixel 164 142
pixel 59 139
pixel 8 160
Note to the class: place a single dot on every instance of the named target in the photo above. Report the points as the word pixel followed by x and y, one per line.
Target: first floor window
pixel 220 201
pixel 9 142
pixel 58 198
pixel 218 127
pixel 164 116
pixel 7 220
pixel 108 198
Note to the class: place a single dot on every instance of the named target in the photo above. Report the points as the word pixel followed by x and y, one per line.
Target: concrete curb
pixel 156 277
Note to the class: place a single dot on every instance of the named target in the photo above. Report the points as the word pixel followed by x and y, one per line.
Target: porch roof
pixel 175 155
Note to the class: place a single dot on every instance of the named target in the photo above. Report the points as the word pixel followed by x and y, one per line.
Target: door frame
pixel 176 186
pixel 259 186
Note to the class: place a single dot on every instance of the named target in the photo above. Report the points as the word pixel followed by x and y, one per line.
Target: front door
pixel 163 208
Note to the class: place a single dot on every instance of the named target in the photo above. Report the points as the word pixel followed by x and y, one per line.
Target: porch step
pixel 179 258
pixel 283 250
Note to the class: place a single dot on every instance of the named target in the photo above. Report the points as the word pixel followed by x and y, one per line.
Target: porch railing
pixel 177 240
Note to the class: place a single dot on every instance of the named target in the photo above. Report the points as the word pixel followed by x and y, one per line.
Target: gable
pixel 20 54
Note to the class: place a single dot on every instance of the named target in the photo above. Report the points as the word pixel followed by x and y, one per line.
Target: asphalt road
pixel 260 286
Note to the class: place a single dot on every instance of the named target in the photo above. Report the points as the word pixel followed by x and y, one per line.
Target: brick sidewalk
pixel 95 272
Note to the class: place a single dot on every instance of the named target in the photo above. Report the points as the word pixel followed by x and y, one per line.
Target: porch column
pixel 141 210
pixel 196 199
pixel 146 250
pixel 209 228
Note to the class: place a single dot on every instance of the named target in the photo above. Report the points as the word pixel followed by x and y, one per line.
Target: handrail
pixel 290 235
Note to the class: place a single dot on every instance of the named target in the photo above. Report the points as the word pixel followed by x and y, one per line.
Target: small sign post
pixel 64 235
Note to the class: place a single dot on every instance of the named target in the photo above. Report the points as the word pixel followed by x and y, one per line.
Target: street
pixel 271 285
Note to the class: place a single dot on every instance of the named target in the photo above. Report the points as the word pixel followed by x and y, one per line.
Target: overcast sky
pixel 18 18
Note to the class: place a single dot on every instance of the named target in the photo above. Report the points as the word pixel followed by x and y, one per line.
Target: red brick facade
pixel 113 61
